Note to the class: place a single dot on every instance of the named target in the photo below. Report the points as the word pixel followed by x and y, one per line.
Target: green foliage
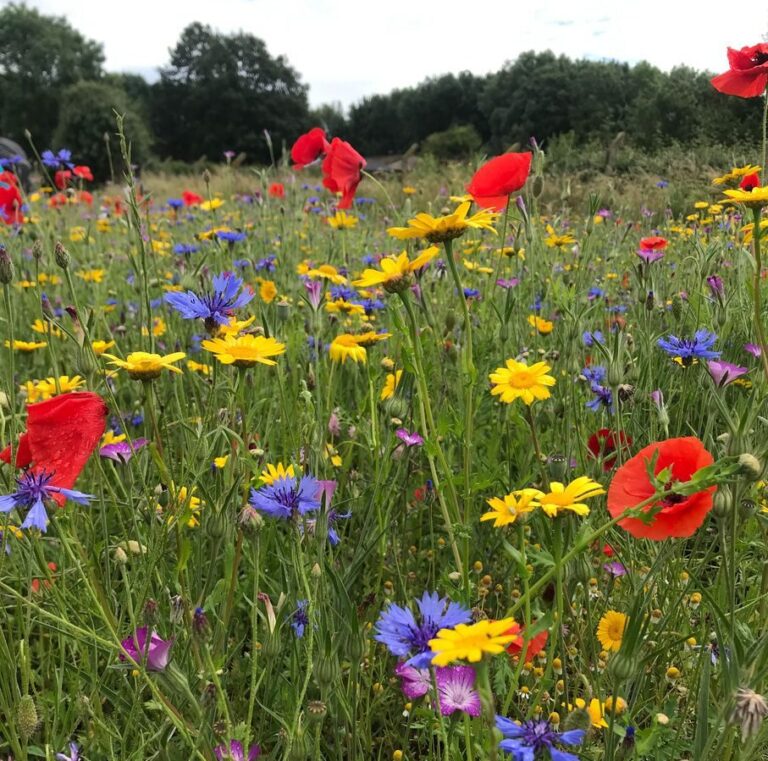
pixel 222 92
pixel 453 143
pixel 88 115
pixel 39 57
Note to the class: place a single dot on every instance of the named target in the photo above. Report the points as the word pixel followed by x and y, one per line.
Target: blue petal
pixel 572 737
pixel 508 728
pixel 75 496
pixel 7 503
pixel 37 517
pixel 562 755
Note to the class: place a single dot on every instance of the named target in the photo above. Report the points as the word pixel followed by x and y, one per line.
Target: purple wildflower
pixel 753 349
pixel 215 308
pixel 287 497
pixel 300 618
pixel 715 283
pixel 507 282
pixel 398 630
pixel 590 338
pixel 34 489
pixel 724 373
pixel 456 690
pixel 657 397
pixel 314 292
pixel 236 752
pixel 649 256
pixel 122 451
pixel 74 754
pixel 615 568
pixel 415 682
pixel 410 439
pixel 531 739
pixel 153 649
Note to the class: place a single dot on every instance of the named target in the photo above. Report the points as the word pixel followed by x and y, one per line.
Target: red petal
pixel 63 433
pixel 495 203
pixel 23 453
pixel 309 147
pixel 501 176
pixel 743 84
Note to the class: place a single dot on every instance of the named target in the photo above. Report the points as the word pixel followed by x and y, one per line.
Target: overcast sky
pixel 346 50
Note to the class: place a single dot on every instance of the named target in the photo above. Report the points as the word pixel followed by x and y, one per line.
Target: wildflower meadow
pixel 310 462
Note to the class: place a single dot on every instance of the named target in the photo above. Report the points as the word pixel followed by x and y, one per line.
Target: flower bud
pixel 750 467
pixel 557 466
pixel 622 666
pixel 37 249
pixel 326 671
pixel 538 186
pixel 6 267
pixel 722 502
pixel 61 255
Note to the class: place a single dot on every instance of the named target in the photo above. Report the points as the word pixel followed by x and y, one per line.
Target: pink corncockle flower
pixel 143 647
pixel 410 439
pixel 507 282
pixel 314 293
pixel 753 349
pixel 724 373
pixel 456 690
pixel 415 682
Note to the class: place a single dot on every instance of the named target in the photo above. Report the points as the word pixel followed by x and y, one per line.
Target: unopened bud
pixel 61 255
pixel 6 267
pixel 751 467
pixel 37 249
pixel 538 186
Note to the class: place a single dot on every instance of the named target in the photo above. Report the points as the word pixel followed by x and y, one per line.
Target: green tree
pixel 87 118
pixel 221 92
pixel 40 56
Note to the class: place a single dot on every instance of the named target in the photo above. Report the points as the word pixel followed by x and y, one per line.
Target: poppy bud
pixel 206 177
pixel 216 524
pixel 61 255
pixel 298 750
pixel 37 249
pixel 722 502
pixel 450 322
pixel 615 373
pixel 750 467
pixel 677 306
pixel 272 645
pixel 6 267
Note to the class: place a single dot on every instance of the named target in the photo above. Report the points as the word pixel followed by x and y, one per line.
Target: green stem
pixel 756 292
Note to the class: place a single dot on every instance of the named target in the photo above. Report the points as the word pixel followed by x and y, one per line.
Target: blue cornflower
pixel 63 157
pixel 267 263
pixel 398 630
pixel 331 519
pixel 185 248
pixel 369 259
pixel 215 308
pixel 343 292
pixel 594 374
pixel 603 398
pixel 662 184
pixel 287 497
pixel 74 754
pixel 230 236
pixel 531 739
pixel 175 203
pixel 471 293
pixel 371 305
pixel 595 293
pixel 617 308
pixel 241 263
pixel 300 618
pixel 590 338
pixel 688 349
pixel 33 489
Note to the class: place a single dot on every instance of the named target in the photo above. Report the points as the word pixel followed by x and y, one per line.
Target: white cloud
pixel 345 50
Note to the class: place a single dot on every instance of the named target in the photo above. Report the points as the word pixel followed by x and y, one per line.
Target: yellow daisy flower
pixel 346 346
pixel 327 272
pixel 518 381
pixel 267 291
pixel 439 229
pixel 553 240
pixel 561 497
pixel 342 221
pixel 395 272
pixel 142 365
pixel 26 345
pixel 752 198
pixel 544 327
pixel 391 383
pixel 505 511
pixel 340 306
pixel 273 472
pixel 471 642
pixel 244 351
pixel 38 326
pixel 610 630
pixel 198 367
pixel 99 347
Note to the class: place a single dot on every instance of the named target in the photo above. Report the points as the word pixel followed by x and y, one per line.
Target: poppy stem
pixel 759 329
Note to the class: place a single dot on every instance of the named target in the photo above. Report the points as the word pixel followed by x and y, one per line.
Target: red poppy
pixel 653 243
pixel 85 197
pixel 62 433
pixel 604 443
pixel 83 172
pixel 750 182
pixel 59 199
pixel 532 648
pixel 496 179
pixel 10 199
pixel 679 516
pixel 341 171
pixel 191 199
pixel 277 190
pixel 747 76
pixel 61 178
pixel 309 147
pixel 52 567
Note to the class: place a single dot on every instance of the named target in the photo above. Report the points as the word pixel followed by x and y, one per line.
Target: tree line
pixel 223 92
